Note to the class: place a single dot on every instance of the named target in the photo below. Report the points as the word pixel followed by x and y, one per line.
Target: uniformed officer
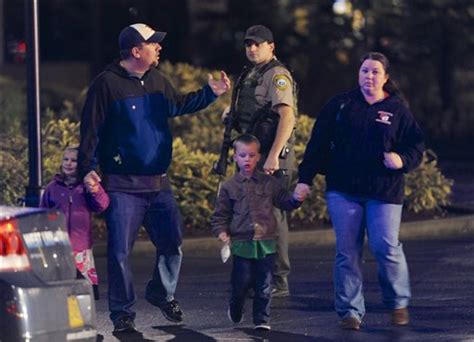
pixel 264 104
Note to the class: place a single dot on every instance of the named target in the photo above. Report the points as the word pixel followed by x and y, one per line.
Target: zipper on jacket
pixel 69 211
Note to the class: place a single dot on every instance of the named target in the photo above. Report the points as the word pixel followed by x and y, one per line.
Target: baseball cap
pixel 259 34
pixel 136 34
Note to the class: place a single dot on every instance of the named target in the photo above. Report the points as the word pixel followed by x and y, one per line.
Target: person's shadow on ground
pixel 130 336
pixel 183 334
pixel 280 336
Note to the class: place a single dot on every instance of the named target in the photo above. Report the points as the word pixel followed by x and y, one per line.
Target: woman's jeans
pixel 350 216
pixel 255 274
pixel 158 212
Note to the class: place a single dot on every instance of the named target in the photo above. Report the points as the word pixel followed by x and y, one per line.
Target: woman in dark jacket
pixel 364 141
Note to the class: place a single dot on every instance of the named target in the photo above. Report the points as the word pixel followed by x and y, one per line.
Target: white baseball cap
pixel 136 34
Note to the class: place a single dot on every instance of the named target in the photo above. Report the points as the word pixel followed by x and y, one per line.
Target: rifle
pixel 220 166
pixel 230 122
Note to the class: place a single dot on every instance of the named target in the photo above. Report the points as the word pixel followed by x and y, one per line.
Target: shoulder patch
pixel 281 81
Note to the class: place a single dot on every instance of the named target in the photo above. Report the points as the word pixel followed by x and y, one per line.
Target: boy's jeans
pixel 256 274
pixel 159 213
pixel 350 216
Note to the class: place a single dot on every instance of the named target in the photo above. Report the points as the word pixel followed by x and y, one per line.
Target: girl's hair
pixel 72 148
pixel 390 86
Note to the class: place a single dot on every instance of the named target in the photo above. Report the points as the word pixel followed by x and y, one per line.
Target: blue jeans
pixel 255 274
pixel 158 212
pixel 350 216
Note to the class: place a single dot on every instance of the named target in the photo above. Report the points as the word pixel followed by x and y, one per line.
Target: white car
pixel 40 297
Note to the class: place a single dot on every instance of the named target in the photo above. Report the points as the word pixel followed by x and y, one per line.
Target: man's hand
pixel 92 177
pixel 302 190
pixel 91 182
pixel 219 87
pixel 392 160
pixel 91 187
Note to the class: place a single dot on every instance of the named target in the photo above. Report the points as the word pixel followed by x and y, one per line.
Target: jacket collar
pixel 115 67
pixel 256 177
pixel 60 179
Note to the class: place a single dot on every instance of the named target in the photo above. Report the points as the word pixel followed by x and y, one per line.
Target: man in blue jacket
pixel 124 130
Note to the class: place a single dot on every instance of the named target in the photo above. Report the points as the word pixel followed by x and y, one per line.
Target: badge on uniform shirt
pixel 281 81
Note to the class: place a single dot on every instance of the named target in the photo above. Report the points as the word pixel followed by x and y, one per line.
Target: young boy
pixel 244 214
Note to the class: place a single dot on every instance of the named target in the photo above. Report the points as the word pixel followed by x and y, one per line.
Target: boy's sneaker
pixel 262 327
pixel 172 312
pixel 235 316
pixel 124 325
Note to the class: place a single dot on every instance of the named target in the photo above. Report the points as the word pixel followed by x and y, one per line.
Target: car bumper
pixel 58 312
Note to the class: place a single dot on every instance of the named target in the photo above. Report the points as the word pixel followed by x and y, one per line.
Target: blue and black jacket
pixel 124 125
pixel 348 141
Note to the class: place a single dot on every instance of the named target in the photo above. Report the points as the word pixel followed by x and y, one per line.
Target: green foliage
pixel 57 135
pixel 13 168
pixel 204 130
pixel 12 107
pixel 314 207
pixel 429 43
pixel 426 188
pixel 194 185
pixel 197 142
pixel 304 125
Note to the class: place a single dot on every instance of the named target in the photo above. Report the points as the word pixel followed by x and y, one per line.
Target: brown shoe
pixel 350 323
pixel 400 316
pixel 280 293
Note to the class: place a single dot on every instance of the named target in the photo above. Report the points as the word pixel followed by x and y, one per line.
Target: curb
pixel 452 228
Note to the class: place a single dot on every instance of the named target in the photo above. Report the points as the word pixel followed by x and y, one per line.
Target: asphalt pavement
pixel 442 307
pixel 440 254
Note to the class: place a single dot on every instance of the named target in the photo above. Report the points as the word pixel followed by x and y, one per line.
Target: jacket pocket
pixel 264 198
pixel 237 199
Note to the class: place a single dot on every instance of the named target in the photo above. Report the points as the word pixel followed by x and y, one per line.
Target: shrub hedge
pixel 196 144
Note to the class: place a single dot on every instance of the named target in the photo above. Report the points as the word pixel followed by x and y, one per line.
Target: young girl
pixel 77 200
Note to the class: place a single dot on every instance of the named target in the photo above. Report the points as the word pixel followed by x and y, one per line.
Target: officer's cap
pixel 259 34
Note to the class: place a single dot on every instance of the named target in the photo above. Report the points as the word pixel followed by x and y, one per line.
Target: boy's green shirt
pixel 255 249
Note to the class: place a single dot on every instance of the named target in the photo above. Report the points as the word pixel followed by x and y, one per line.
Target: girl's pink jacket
pixel 77 205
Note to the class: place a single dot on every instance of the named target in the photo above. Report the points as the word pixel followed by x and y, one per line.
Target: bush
pixel 197 142
pixel 204 130
pixel 12 107
pixel 194 186
pixel 425 187
pixel 13 168
pixel 57 135
pixel 314 207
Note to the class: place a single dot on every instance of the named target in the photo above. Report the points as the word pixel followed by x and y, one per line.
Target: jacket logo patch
pixel 384 117
pixel 281 81
pixel 118 159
